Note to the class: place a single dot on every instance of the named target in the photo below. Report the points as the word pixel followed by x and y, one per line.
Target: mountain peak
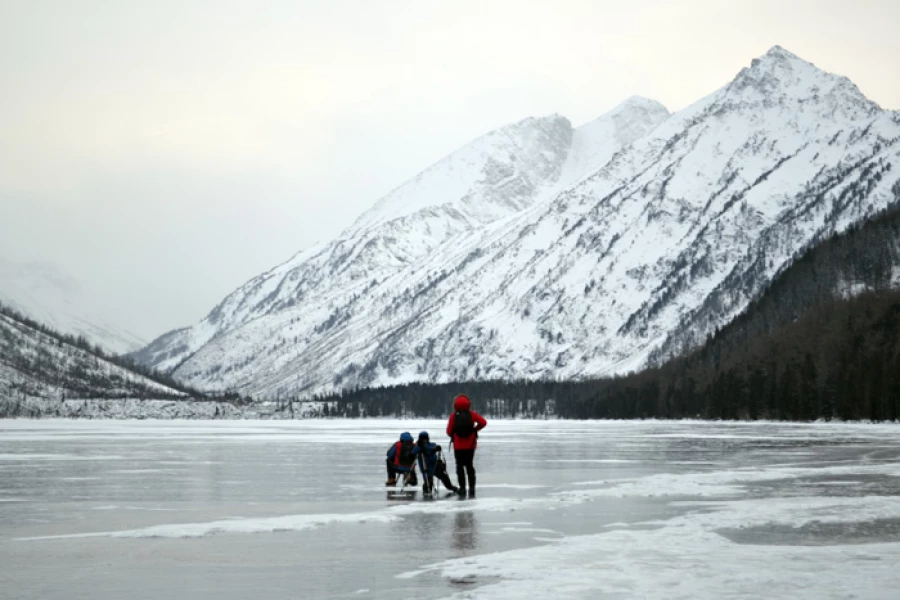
pixel 639 105
pixel 493 175
pixel 640 101
pixel 782 77
pixel 780 63
pixel 779 53
pixel 633 109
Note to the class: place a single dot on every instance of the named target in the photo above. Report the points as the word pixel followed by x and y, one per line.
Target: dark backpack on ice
pixel 463 425
pixel 406 453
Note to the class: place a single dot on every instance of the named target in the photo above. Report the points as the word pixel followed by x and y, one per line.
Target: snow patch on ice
pixel 308 521
pixel 531 530
pixel 680 561
pixel 685 557
pixel 717 483
pixel 255 525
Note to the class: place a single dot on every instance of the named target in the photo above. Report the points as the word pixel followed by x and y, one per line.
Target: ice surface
pixel 53 457
pixel 680 561
pixel 565 510
pixel 685 557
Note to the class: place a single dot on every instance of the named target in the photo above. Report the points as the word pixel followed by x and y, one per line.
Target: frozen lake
pixel 187 509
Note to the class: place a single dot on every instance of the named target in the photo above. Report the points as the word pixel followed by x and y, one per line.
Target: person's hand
pixel 438 448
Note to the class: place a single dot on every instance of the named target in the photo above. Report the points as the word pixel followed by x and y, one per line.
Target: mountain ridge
pixel 679 228
pixel 448 221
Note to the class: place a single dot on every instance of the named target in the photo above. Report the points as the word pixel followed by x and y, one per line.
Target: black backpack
pixel 406 453
pixel 463 425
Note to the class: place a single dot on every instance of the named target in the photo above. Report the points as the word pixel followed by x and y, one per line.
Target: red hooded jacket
pixel 465 443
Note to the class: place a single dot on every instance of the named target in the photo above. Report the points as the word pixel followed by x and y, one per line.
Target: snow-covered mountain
pixel 543 251
pixel 493 178
pixel 43 292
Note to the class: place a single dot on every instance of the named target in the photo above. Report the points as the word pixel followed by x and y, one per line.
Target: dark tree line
pixel 865 257
pixel 840 360
pixel 872 236
pixel 526 399
pixel 822 342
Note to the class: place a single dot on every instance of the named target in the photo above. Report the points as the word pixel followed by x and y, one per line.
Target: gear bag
pixel 463 425
pixel 406 457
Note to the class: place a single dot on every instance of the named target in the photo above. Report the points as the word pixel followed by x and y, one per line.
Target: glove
pixel 437 448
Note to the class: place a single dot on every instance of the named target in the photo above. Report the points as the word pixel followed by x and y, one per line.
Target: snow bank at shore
pixel 134 408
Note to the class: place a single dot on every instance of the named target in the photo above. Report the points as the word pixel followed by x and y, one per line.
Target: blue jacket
pixel 426 455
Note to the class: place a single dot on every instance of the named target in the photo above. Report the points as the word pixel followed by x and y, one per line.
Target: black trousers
pixel 440 472
pixel 465 467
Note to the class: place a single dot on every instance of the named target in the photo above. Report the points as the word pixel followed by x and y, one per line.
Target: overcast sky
pixel 163 153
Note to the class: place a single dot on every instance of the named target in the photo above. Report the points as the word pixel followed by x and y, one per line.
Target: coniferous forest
pixel 823 342
pixel 841 360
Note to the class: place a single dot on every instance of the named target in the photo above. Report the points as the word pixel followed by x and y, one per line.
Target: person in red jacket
pixel 463 428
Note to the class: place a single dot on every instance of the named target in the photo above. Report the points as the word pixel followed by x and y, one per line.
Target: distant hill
pixel 44 373
pixel 43 292
pixel 38 361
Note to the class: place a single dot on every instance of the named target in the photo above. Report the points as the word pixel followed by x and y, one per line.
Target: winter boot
pixel 392 482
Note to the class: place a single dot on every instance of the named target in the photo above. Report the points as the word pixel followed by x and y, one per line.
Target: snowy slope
pixel 594 143
pixel 44 293
pixel 673 227
pixel 39 365
pixel 492 178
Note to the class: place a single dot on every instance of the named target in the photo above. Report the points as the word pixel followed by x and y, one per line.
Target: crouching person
pixel 431 464
pixel 401 460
